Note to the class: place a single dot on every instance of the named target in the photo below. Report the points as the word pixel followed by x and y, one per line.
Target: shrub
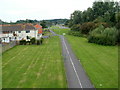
pixel 41 40
pixel 76 27
pixel 28 42
pixel 118 25
pixel 22 42
pixel 38 42
pixel 87 27
pixel 103 36
pixel 33 40
pixel 106 25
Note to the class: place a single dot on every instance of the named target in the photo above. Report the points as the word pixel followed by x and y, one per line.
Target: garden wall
pixel 8 46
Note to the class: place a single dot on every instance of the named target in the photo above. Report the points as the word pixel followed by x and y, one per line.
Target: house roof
pixel 18 27
pixel 39 27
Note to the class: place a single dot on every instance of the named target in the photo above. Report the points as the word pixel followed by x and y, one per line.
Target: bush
pixel 33 40
pixel 38 42
pixel 41 40
pixel 76 27
pixel 106 25
pixel 118 25
pixel 103 36
pixel 22 42
pixel 28 42
pixel 87 27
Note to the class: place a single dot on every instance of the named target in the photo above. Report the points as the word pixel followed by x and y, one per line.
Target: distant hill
pixel 57 21
pixel 48 22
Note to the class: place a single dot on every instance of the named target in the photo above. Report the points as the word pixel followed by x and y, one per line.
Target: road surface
pixel 76 76
pixel 75 73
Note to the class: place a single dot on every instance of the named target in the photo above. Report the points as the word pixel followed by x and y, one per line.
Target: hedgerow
pixel 103 36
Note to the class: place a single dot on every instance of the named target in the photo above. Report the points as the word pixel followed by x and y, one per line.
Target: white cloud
pixel 40 9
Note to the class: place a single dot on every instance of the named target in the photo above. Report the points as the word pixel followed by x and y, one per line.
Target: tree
pixel 43 24
pixel 76 17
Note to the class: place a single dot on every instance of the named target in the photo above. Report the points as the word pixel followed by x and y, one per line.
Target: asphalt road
pixel 76 76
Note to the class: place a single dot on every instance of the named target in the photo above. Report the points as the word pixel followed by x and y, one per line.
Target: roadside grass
pixel 59 30
pixel 100 62
pixel 34 66
pixel 46 33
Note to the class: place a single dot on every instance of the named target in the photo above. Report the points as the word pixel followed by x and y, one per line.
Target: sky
pixel 13 10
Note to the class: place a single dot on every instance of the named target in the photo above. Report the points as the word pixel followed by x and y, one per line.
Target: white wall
pixel 23 34
pixel 20 36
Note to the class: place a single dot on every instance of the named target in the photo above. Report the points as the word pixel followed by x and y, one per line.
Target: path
pixel 76 76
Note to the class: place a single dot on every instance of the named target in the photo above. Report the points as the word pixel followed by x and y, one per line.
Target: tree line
pixel 44 23
pixel 101 17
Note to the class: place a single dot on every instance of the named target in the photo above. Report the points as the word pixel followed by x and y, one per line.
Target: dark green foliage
pixel 87 27
pixel 66 23
pixel 41 40
pixel 106 25
pixel 38 42
pixel 117 20
pixel 103 36
pixel 100 12
pixel 118 25
pixel 28 42
pixel 32 40
pixel 76 27
pixel 43 24
pixel 76 17
pixel 23 42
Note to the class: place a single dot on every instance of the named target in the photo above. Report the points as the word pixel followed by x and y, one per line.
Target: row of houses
pixel 19 32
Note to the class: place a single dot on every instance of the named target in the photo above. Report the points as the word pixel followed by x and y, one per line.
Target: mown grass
pixel 100 62
pixel 34 66
pixel 59 30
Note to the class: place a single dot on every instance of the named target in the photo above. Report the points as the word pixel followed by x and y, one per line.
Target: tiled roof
pixel 39 27
pixel 18 27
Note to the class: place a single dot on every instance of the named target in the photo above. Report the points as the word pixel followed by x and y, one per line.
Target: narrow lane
pixel 75 73
pixel 76 76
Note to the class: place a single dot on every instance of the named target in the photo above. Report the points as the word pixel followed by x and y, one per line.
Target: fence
pixel 8 46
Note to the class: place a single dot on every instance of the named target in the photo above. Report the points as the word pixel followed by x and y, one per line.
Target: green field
pixel 59 31
pixel 34 66
pixel 100 62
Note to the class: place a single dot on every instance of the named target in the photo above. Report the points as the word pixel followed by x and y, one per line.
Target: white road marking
pixel 72 63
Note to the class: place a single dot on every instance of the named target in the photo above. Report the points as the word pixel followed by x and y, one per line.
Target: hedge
pixel 103 36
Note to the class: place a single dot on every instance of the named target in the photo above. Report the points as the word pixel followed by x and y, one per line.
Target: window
pixel 27 37
pixel 19 31
pixel 27 31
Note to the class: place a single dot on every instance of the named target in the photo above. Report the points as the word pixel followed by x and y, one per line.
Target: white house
pixel 20 31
